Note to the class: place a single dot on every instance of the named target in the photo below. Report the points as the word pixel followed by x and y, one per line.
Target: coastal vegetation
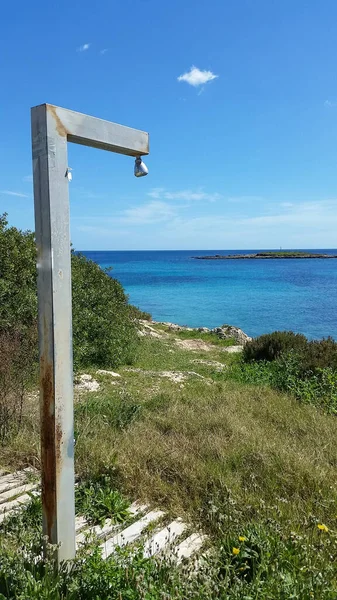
pixel 241 444
pixel 104 326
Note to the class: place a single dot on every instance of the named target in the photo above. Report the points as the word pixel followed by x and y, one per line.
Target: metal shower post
pixel 52 128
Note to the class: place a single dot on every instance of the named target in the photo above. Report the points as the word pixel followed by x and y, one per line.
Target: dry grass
pixel 17 372
pixel 187 446
pixel 260 445
pixel 23 449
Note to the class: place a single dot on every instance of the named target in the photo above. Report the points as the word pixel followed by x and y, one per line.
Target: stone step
pixel 12 480
pixel 9 508
pixel 169 540
pixel 130 534
pixel 189 546
pixel 164 539
pixel 80 523
pixel 109 526
pixel 16 492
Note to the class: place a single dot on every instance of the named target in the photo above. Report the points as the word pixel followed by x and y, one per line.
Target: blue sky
pixel 243 148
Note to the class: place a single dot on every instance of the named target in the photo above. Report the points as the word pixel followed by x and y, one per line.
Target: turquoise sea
pixel 259 296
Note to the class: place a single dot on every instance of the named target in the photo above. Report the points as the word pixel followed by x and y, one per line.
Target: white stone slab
pixel 130 534
pixel 80 523
pixel 8 507
pixel 164 538
pixel 5 515
pixel 17 491
pixel 9 485
pixel 109 526
pixel 188 547
pixel 12 479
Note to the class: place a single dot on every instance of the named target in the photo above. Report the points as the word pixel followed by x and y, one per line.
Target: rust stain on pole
pixel 48 457
pixel 60 128
pixel 51 441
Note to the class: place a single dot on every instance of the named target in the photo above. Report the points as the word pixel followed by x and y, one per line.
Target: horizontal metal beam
pixel 97 133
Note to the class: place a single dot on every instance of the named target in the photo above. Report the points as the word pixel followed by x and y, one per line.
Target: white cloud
pixel 330 104
pixel 105 231
pixel 83 48
pixel 156 192
pixel 187 195
pixel 197 77
pixel 302 225
pixel 104 50
pixel 10 193
pixel 151 212
pixel 269 225
pixel 28 179
pixel 249 199
pixel 286 204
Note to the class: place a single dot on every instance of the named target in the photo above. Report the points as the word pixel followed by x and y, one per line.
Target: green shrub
pixel 256 373
pixel 316 386
pixel 18 300
pixel 287 374
pixel 271 345
pixel 314 354
pixel 104 331
pixel 319 354
pixel 289 362
pixel 97 500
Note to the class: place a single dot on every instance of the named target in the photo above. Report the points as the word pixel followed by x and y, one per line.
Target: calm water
pixel 259 296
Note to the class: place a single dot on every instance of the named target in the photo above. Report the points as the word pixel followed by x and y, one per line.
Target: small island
pixel 266 255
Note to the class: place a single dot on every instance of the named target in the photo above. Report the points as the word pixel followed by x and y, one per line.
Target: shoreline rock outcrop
pixel 223 332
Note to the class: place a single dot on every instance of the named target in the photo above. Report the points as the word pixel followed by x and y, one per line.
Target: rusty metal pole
pixel 51 199
pixel 52 127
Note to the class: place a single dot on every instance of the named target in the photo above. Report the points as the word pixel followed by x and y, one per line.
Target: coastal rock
pixel 175 376
pixel 229 331
pixel 149 331
pixel 195 345
pixel 104 372
pixel 174 326
pixel 86 383
pixel 224 332
pixel 232 349
pixel 218 366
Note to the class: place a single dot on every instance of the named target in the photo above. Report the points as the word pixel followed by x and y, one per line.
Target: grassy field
pixel 251 466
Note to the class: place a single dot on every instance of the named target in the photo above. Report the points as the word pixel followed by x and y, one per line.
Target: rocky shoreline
pixel 223 332
pixel 86 382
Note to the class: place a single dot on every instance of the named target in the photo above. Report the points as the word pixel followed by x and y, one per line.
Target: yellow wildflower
pixel 322 527
pixel 236 551
pixel 242 538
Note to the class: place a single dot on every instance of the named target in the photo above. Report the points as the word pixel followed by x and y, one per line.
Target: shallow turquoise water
pixel 259 296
